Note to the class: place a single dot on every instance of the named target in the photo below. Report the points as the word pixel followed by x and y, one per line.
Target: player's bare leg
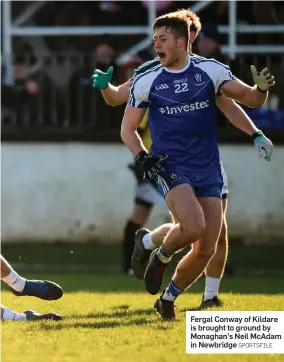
pixel 159 234
pixel 216 266
pixel 194 263
pixel 191 222
pixel 29 315
pixel 20 286
pixel 187 210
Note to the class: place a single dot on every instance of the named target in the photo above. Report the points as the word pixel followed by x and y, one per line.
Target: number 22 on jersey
pixel 181 87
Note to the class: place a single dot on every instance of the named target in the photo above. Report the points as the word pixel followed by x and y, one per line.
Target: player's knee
pixel 193 230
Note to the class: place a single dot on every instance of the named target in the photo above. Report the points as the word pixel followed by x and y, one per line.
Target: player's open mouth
pixel 161 55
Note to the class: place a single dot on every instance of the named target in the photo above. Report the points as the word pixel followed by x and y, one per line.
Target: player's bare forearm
pixel 254 98
pixel 236 115
pixel 115 96
pixel 132 140
pixel 241 92
pixel 131 120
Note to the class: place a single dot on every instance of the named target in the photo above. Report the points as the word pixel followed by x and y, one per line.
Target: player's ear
pixel 181 42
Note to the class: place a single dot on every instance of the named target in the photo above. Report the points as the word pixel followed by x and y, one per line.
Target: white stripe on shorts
pixel 225 189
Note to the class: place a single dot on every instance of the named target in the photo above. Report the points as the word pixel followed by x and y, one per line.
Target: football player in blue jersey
pixel 146 241
pixel 184 160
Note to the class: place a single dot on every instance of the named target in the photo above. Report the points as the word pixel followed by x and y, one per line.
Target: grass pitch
pixel 110 318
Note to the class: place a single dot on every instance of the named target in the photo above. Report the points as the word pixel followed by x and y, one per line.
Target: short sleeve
pixel 218 72
pixel 224 76
pixel 139 92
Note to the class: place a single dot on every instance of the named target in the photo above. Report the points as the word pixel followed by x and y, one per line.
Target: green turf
pixel 109 318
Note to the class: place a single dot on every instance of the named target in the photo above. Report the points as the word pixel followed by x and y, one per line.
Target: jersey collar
pixel 179 70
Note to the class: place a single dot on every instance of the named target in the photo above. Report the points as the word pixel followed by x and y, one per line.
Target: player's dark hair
pixel 177 21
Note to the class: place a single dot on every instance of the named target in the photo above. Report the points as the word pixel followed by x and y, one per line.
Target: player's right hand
pixel 150 165
pixel 101 79
pixel 264 80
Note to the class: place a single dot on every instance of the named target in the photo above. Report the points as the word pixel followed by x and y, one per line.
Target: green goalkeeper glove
pixel 101 79
pixel 263 145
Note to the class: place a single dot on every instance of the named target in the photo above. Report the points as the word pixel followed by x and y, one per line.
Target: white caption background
pixel 235 332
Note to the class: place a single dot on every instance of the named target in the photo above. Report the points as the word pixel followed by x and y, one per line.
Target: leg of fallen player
pixel 20 286
pixel 194 263
pixel 186 208
pixel 28 315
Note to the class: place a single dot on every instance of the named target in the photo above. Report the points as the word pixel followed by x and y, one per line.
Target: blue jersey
pixel 182 110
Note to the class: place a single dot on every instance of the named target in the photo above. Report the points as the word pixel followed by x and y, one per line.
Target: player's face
pixel 166 45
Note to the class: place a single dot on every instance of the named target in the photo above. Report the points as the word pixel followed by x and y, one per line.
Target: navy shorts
pixel 206 182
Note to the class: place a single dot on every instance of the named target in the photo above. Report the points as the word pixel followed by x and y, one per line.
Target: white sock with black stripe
pixel 10 315
pixel 15 281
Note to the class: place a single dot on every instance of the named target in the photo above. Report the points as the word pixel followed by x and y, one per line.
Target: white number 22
pixel 181 87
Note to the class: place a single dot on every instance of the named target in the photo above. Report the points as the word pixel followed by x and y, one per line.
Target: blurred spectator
pixel 18 97
pixel 87 105
pixel 208 43
pixel 103 56
pixel 28 100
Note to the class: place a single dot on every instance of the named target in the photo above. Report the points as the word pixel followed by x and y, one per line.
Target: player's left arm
pixel 131 120
pixel 235 114
pixel 238 117
pixel 254 96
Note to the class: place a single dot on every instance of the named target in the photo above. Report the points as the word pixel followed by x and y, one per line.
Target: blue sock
pixel 163 256
pixel 172 292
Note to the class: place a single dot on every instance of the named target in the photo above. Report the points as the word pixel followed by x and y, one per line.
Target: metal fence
pixel 53 98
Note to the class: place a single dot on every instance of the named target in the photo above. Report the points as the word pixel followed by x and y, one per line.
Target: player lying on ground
pixel 20 286
pixel 28 315
pixel 184 159
pixel 145 241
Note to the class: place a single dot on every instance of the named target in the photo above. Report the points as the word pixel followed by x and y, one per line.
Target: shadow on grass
pixel 115 314
pixel 116 319
pixel 98 325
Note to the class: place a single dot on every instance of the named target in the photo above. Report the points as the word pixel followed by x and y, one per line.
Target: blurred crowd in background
pixel 52 85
